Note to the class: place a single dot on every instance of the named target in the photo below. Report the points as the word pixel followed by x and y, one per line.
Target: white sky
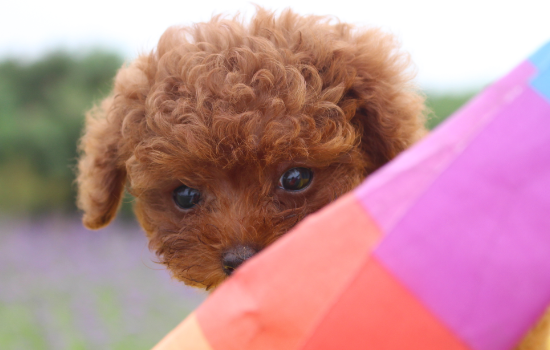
pixel 455 44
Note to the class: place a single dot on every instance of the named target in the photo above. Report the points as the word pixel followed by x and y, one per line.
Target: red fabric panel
pixel 273 300
pixel 376 312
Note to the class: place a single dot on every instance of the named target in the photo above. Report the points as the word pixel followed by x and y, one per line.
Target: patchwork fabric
pixel 446 247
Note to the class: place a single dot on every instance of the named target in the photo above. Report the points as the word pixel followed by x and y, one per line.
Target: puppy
pixel 228 134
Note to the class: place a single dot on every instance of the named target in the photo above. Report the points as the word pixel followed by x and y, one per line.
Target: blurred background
pixel 63 287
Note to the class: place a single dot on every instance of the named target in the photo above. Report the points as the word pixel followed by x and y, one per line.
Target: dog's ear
pixel 101 172
pixel 386 107
pixel 105 147
pixel 389 122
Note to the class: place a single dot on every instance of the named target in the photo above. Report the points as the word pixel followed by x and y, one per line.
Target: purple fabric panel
pixel 475 247
pixel 389 193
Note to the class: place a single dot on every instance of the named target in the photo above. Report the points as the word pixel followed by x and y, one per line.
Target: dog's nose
pixel 235 256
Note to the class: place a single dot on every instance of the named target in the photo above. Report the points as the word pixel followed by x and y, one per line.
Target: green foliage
pixel 443 105
pixel 42 106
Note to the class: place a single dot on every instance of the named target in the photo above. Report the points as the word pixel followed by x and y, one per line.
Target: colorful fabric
pixel 447 247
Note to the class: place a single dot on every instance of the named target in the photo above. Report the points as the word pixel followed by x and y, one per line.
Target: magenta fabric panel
pixel 475 246
pixel 390 192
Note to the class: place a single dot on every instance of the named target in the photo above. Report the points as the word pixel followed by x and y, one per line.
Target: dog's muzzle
pixel 234 257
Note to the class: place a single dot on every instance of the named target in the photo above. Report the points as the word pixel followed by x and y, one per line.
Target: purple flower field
pixel 64 287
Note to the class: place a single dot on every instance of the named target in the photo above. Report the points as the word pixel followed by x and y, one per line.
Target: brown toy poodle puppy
pixel 228 134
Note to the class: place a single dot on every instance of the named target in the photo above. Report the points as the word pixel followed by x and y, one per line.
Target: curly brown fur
pixel 226 108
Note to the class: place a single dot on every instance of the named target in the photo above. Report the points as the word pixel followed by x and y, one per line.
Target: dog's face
pixel 210 206
pixel 229 136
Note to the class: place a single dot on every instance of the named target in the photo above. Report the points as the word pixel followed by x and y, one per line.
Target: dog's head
pixel 229 134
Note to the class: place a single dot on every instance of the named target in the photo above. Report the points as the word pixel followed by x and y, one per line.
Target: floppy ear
pixel 101 172
pixel 104 148
pixel 390 119
pixel 388 108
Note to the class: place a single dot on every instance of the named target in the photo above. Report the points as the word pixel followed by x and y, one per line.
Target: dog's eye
pixel 186 197
pixel 296 179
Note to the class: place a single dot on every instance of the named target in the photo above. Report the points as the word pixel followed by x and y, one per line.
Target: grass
pixel 63 287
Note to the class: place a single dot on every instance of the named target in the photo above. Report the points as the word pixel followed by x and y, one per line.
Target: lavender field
pixel 64 287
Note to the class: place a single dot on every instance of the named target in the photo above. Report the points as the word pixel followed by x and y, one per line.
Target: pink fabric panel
pixel 475 246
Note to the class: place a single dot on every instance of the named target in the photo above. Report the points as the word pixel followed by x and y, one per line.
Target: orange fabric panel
pixel 377 312
pixel 186 336
pixel 274 299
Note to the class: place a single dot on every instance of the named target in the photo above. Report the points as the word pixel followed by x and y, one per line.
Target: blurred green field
pixel 442 105
pixel 41 113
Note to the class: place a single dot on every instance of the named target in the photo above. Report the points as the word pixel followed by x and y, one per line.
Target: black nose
pixel 235 256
